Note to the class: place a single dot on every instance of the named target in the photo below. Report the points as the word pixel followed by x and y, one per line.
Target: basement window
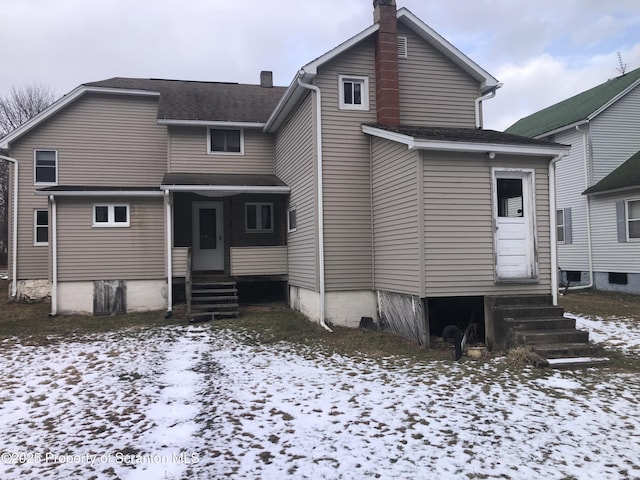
pixel 354 92
pixel 618 278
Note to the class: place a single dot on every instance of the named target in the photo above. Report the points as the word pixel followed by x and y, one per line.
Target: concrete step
pixel 520 312
pixel 216 298
pixel 209 306
pixel 526 300
pixel 537 337
pixel 555 323
pixel 564 350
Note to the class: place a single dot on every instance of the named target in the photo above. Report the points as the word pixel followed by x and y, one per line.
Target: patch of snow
pixel 612 332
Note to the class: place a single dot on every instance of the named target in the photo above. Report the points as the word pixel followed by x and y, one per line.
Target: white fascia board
pixel 489 82
pixel 101 193
pixel 471 147
pixel 63 102
pixel 210 123
pixel 614 100
pixel 226 189
pixel 571 126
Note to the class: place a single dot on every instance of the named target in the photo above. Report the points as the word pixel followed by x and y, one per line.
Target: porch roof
pixel 223 183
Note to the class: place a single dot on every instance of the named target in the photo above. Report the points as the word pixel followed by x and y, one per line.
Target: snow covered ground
pixel 199 402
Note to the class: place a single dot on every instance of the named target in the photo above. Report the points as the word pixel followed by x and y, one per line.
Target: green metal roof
pixel 624 177
pixel 574 109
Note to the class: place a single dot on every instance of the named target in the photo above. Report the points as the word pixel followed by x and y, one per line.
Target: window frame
pixel 35 166
pixel 36 226
pixel 292 210
pixel 258 206
pixel 364 80
pixel 628 219
pixel 110 223
pixel 221 152
pixel 560 215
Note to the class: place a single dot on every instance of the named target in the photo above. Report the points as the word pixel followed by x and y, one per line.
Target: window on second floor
pixel 292 220
pixel 223 140
pixel 560 225
pixel 45 166
pixel 354 92
pixel 259 217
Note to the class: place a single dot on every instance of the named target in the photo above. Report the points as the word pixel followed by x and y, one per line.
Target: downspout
pixel 553 232
pixel 320 202
pixel 14 234
pixel 486 96
pixel 167 204
pixel 54 256
pixel 588 211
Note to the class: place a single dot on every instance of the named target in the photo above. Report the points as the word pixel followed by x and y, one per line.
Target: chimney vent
pixel 266 79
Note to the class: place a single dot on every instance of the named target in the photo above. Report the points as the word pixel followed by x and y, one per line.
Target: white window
pixel 223 140
pixel 259 217
pixel 560 225
pixel 292 220
pixel 633 219
pixel 45 168
pixel 110 215
pixel 41 227
pixel 354 92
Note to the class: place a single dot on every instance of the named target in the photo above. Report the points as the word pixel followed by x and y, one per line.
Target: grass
pixel 273 323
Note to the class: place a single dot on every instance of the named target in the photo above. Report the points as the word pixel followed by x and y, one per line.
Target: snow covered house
pixel 597 184
pixel 367 186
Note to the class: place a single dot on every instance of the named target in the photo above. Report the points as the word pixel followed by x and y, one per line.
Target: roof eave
pixel 227 189
pixel 467 146
pixel 63 102
pixel 611 190
pixel 209 123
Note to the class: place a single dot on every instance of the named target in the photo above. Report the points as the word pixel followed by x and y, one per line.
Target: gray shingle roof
pixel 625 176
pixel 205 101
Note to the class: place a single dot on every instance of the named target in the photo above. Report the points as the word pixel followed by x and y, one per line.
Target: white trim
pixel 561 129
pixel 613 100
pixel 465 146
pixel 111 222
pixel 36 243
pixel 225 189
pixel 100 193
pixel 35 166
pixel 627 219
pixel 258 217
pixel 210 123
pixel 63 102
pixel 168 244
pixel 364 93
pixel 53 220
pixel 294 209
pixel 216 152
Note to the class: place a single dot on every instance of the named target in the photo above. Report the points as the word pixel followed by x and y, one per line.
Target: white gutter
pixel 319 194
pixel 14 225
pixel 588 211
pixel 167 203
pixel 54 256
pixel 553 232
pixel 210 123
pixel 482 98
pixel 100 193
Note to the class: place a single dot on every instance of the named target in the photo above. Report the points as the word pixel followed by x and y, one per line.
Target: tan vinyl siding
pixel 189 153
pixel 347 191
pixel 295 151
pixel 609 255
pixel 395 218
pixel 101 140
pixel 136 252
pixel 433 90
pixel 258 261
pixel 458 226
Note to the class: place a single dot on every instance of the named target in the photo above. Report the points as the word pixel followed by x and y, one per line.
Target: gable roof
pixel 295 92
pixel 625 177
pixel 465 140
pixel 180 102
pixel 577 109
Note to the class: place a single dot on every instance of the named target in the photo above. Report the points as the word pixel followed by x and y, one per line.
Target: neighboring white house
pixel 598 183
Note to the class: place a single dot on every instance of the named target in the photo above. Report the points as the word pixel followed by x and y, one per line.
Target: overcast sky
pixel 542 51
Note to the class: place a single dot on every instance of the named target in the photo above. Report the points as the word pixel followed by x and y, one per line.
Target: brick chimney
pixel 387 77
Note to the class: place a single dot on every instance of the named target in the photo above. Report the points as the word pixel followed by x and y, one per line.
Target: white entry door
pixel 514 216
pixel 208 237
